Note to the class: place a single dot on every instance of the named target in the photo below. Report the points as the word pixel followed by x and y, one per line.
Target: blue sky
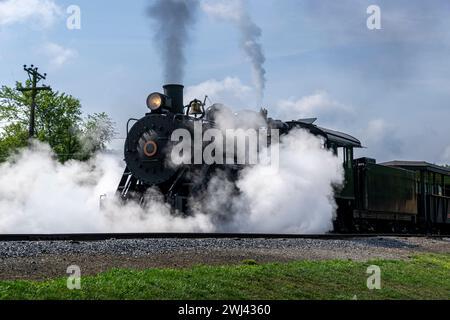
pixel 388 87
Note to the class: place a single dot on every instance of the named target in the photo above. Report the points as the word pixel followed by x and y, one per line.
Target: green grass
pixel 421 277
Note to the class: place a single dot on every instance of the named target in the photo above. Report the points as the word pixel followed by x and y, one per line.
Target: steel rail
pixel 130 236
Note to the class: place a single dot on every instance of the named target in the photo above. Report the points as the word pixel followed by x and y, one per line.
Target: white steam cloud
pixel 235 12
pixel 295 198
pixel 173 20
pixel 40 195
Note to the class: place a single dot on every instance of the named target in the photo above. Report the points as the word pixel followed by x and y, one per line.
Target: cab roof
pixel 337 138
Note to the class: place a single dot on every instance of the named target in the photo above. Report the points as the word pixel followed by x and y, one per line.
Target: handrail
pixel 128 124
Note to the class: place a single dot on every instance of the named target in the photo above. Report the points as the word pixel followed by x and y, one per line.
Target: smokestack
pixel 175 92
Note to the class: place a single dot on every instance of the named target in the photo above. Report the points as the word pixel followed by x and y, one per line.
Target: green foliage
pixel 249 262
pixel 422 277
pixel 96 131
pixel 59 123
pixel 14 136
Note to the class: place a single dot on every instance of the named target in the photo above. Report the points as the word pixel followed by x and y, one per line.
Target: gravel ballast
pixel 48 259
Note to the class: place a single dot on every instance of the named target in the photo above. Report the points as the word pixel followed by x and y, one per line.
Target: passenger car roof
pixel 417 166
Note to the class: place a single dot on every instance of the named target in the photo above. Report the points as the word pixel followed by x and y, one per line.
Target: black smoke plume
pixel 173 20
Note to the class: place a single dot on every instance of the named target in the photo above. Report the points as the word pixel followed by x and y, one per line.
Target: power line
pixel 35 77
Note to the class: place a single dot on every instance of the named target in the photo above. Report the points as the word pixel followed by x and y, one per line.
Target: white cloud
pixel 226 10
pixel 57 54
pixel 376 130
pixel 382 140
pixel 316 105
pixel 229 91
pixel 446 155
pixel 43 12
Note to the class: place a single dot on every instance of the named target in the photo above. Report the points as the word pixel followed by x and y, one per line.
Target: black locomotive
pixel 396 196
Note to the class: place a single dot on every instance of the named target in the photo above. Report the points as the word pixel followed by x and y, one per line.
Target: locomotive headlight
pixel 155 101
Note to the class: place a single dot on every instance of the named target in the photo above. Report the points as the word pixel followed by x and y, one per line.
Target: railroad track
pixel 128 236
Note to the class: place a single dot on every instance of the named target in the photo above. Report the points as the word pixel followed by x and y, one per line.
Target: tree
pixel 59 122
pixel 97 130
pixel 14 136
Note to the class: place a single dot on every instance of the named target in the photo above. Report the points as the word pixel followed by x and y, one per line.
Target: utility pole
pixel 34 77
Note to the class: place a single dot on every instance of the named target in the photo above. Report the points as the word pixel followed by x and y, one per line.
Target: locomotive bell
pixel 195 107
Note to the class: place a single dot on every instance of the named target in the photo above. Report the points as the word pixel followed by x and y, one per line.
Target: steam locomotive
pixel 398 196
